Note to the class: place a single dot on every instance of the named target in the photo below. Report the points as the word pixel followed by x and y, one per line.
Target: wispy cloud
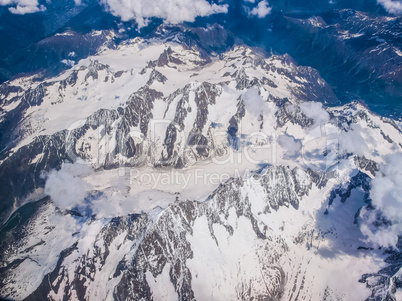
pixel 261 10
pixel 21 7
pixel 65 186
pixel 356 140
pixel 392 6
pixel 315 111
pixel 383 224
pixel 174 11
pixel 291 145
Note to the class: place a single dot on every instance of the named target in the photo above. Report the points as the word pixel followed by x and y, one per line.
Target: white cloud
pixel 290 144
pixel 256 106
pixel 21 7
pixel 386 236
pixel 315 111
pixel 69 63
pixel 72 187
pixel 253 102
pixel 261 10
pixel 173 11
pixel 386 194
pixel 392 6
pixel 386 189
pixel 355 140
pixel 65 186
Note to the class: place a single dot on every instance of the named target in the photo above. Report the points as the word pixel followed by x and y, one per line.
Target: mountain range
pixel 203 161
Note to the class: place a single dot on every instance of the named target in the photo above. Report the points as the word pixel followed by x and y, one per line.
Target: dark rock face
pixel 9 125
pixel 46 54
pixel 161 245
pixel 204 96
pixel 34 97
pixel 360 180
pixel 131 226
pixel 6 90
pixel 313 89
pixel 384 283
pixel 367 165
pixel 138 111
pixel 319 178
pixel 234 123
pixel 167 57
pixel 45 287
pixel 156 76
pixel 291 113
pixel 288 191
pixel 20 177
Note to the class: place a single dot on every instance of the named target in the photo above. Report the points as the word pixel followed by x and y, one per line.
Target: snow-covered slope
pixel 173 174
pixel 146 103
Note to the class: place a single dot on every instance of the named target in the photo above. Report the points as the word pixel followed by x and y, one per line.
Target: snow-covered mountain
pixel 157 170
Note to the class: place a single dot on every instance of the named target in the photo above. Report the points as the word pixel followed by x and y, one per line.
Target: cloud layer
pixel 315 111
pixel 66 187
pixel 291 145
pixel 382 225
pixel 173 11
pixel 21 7
pixel 261 10
pixel 392 6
